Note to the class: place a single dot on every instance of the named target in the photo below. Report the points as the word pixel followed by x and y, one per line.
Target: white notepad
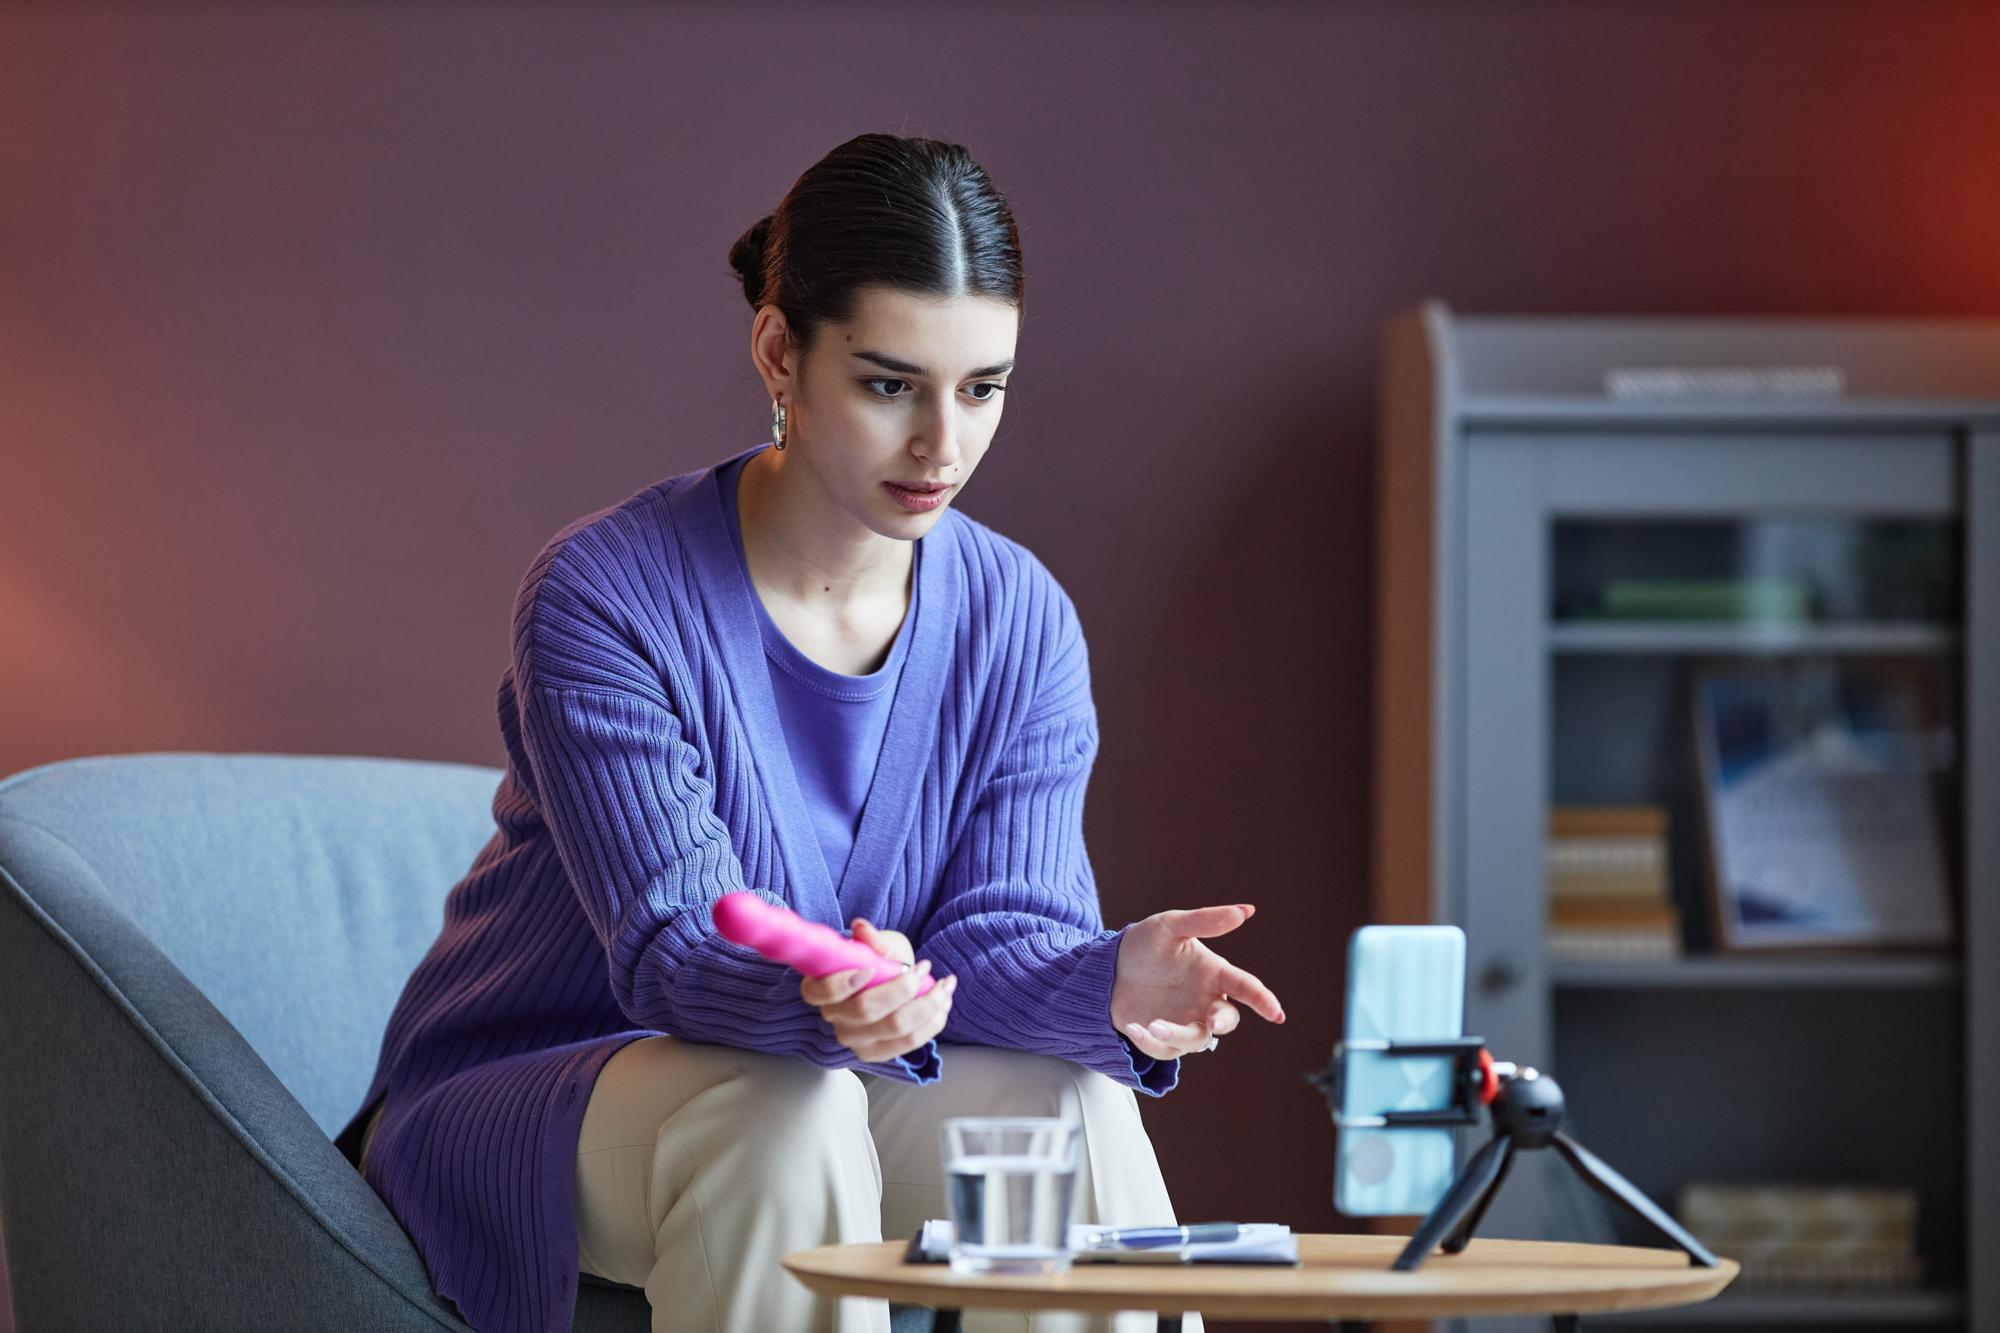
pixel 1256 1243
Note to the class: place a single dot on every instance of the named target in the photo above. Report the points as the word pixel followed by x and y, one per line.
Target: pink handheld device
pixel 783 936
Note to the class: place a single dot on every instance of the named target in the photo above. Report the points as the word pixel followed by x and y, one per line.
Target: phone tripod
pixel 1526 1109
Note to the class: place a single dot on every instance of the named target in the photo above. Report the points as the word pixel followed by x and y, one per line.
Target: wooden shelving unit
pixel 1503 457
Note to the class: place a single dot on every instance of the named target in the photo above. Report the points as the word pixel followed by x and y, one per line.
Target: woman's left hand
pixel 1172 992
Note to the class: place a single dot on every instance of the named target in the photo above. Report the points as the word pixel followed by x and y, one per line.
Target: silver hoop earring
pixel 779 426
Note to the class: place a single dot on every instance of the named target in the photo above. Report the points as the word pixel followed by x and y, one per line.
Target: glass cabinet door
pixel 1754 734
pixel 1709 847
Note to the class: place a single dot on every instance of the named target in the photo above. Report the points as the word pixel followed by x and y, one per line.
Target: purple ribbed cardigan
pixel 647 775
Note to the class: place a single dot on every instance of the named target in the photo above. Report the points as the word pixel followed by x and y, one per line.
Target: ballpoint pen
pixel 1139 1238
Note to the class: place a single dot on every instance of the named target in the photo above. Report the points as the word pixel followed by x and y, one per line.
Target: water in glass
pixel 1009 1183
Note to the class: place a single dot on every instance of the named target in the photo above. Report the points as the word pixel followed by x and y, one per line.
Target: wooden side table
pixel 1340 1278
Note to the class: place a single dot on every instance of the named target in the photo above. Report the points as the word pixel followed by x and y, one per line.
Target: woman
pixel 798 672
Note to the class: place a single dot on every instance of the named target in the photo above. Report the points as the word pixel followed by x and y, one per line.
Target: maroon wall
pixel 316 322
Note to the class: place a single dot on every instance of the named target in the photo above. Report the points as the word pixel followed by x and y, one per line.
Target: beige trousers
pixel 698 1167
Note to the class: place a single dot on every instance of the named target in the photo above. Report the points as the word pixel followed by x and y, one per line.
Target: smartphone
pixel 1403 983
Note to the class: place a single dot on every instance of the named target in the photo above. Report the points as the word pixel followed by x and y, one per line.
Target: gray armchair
pixel 198 956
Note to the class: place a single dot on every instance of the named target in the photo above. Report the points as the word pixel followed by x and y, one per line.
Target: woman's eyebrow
pixel 905 368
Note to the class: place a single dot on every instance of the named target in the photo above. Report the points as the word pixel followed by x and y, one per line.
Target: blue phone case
pixel 1407 983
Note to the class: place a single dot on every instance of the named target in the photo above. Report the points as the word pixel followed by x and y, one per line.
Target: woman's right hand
pixel 881 1022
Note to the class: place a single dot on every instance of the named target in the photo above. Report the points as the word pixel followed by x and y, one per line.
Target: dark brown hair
pixel 916 215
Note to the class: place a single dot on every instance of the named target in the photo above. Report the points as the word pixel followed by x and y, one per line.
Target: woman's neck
pixel 803 548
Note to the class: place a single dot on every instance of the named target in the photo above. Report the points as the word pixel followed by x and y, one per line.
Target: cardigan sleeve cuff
pixel 1151 1076
pixel 922 1065
pixel 1114 1055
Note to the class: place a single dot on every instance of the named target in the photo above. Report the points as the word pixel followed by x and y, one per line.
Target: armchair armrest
pixel 153 1170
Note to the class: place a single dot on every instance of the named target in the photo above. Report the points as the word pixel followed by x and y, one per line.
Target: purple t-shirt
pixel 833 722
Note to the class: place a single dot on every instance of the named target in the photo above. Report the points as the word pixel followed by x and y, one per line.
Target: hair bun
pixel 747 258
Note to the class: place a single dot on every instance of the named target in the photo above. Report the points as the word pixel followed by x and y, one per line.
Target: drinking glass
pixel 1009 1183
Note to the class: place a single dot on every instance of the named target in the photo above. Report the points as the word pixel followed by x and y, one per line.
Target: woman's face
pixel 908 391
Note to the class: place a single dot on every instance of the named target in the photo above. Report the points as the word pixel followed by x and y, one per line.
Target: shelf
pixel 1733 972
pixel 1593 411
pixel 1760 1309
pixel 1656 637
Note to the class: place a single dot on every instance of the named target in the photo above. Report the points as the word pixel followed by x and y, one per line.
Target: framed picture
pixel 1818 793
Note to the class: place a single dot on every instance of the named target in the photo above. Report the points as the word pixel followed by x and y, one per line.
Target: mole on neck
pixel 804 551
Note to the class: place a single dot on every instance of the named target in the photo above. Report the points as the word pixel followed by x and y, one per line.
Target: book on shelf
pixel 1641 913
pixel 1805 1212
pixel 1582 944
pixel 1608 887
pixel 1810 1235
pixel 1607 851
pixel 1765 600
pixel 1832 1263
pixel 1638 822
pixel 1576 884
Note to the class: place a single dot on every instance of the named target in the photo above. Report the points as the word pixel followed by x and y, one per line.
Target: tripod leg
pixel 1461 1236
pixel 1479 1176
pixel 1608 1182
